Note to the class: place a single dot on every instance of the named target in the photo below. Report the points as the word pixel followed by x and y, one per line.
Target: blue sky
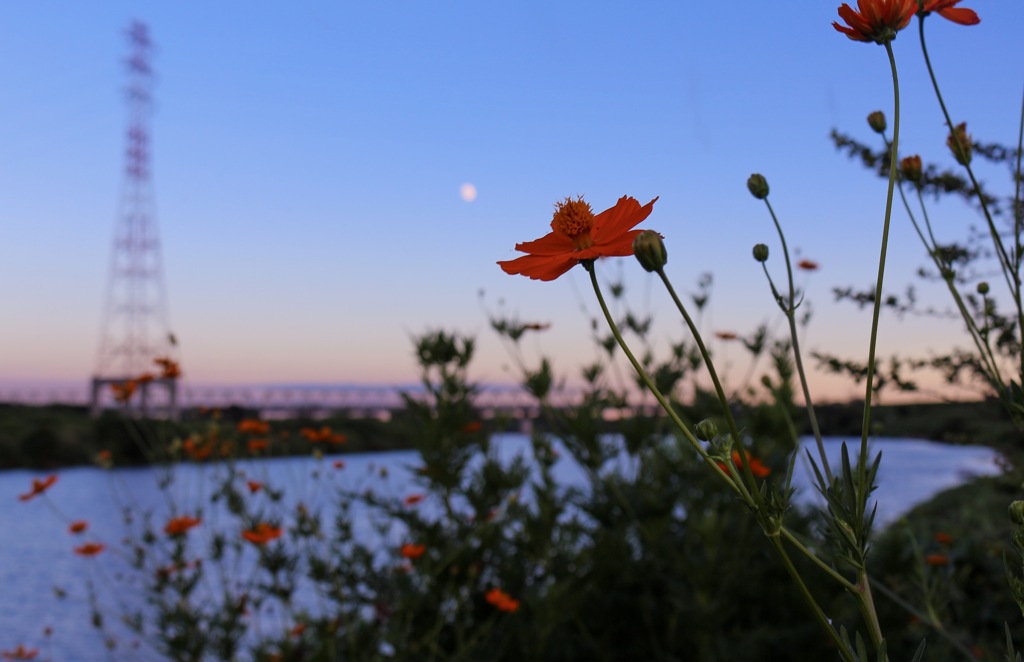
pixel 308 158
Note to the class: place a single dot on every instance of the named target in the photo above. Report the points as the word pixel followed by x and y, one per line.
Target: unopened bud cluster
pixel 960 143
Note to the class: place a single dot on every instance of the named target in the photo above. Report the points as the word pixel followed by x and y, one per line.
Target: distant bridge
pixel 281 401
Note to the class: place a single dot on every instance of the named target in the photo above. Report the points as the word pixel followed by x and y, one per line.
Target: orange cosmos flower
pixel 947 10
pixel 472 426
pixel 578 235
pixel 910 168
pixel 257 445
pixel 169 367
pixel 757 467
pixel 21 653
pixel 875 20
pixel 90 549
pixel 726 335
pixel 324 434
pixel 262 533
pixel 123 391
pixel 298 630
pixel 413 499
pixel 807 265
pixel 253 426
pixel 502 600
pixel 254 486
pixel 78 526
pixel 413 551
pixel 339 464
pixel 179 526
pixel 943 538
pixel 38 487
pixel 937 559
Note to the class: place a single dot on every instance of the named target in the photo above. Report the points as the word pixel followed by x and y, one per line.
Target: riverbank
pixel 50 436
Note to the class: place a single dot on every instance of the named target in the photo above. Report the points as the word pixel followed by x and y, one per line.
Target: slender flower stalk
pixel 1010 268
pixel 790 310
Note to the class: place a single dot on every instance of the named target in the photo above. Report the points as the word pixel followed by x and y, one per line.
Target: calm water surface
pixel 37 565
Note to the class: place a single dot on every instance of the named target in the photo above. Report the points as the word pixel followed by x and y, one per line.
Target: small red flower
pixel 757 467
pixel 38 487
pixel 253 426
pixel 262 534
pixel 726 335
pixel 577 235
pixel 947 10
pixel 943 538
pixel 339 464
pixel 502 600
pixel 21 653
pixel 937 559
pixel 179 526
pixel 413 551
pixel 298 630
pixel 413 499
pixel 78 526
pixel 254 486
pixel 169 368
pixel 875 20
pixel 807 265
pixel 123 391
pixel 257 445
pixel 90 549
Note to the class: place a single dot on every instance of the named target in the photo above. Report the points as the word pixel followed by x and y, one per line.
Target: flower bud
pixel 910 168
pixel 961 152
pixel 649 250
pixel 707 430
pixel 876 120
pixel 983 288
pixel 761 252
pixel 1017 512
pixel 758 186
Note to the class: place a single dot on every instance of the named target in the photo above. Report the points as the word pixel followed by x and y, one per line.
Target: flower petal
pixel 539 267
pixel 624 216
pixel 552 243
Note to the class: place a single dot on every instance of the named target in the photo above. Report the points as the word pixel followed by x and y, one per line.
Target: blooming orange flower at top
pixel 38 487
pixel 78 526
pixel 21 653
pixel 179 526
pixel 413 551
pixel 90 549
pixel 502 600
pixel 807 265
pixel 262 534
pixel 577 235
pixel 875 20
pixel 947 10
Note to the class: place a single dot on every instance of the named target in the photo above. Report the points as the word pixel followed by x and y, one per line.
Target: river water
pixel 44 586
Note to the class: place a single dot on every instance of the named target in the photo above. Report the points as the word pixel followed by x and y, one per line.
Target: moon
pixel 468 192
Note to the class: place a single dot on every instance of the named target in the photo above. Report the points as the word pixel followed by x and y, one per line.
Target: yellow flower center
pixel 573 218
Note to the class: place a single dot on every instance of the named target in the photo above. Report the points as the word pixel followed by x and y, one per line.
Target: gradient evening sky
pixel 308 158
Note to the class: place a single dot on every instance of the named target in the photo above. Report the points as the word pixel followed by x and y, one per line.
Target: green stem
pixel 1011 275
pixel 733 428
pixel 649 383
pixel 790 311
pixel 826 568
pixel 865 429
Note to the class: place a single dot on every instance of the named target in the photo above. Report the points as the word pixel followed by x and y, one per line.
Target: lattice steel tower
pixel 135 327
